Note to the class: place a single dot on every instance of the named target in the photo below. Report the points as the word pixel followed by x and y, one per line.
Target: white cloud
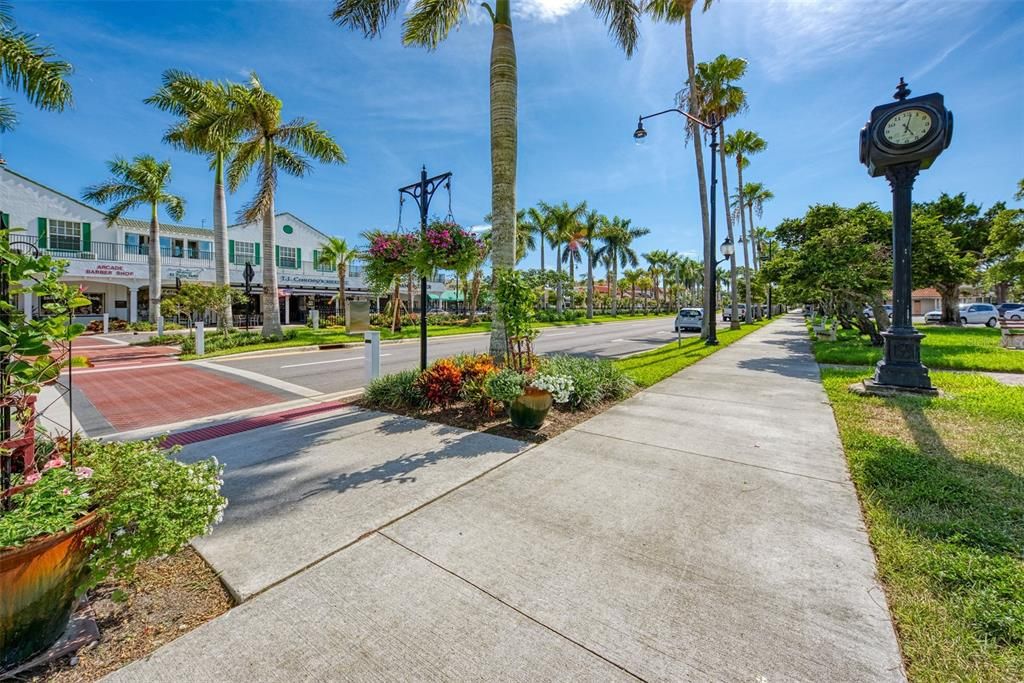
pixel 545 10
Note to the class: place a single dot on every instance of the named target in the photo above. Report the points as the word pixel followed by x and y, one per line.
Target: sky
pixel 815 71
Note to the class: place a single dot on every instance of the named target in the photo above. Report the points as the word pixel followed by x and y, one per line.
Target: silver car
pixel 689 319
pixel 970 314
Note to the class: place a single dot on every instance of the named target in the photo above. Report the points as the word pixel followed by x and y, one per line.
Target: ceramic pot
pixel 529 410
pixel 38 582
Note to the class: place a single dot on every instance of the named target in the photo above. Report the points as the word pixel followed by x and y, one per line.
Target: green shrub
pixel 594 380
pixel 397 390
pixel 218 341
pixel 505 385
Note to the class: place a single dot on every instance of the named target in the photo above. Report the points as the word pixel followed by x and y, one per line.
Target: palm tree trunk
pixel 572 277
pixel 271 307
pixel 342 272
pixel 544 286
pixel 155 287
pixel 558 283
pixel 702 185
pixel 632 301
pixel 504 131
pixel 614 288
pixel 755 252
pixel 746 249
pixel 734 322
pixel 396 306
pixel 475 293
pixel 220 242
pixel 590 283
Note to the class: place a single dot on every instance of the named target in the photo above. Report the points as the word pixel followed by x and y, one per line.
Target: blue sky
pixel 816 69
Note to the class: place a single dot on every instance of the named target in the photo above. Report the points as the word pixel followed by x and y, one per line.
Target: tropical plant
pixel 720 99
pixel 31 69
pixel 673 12
pixel 195 300
pixel 336 253
pixel 505 386
pixel 565 224
pixel 594 381
pixel 618 238
pixel 517 314
pixel 756 195
pixel 742 144
pixel 441 383
pixel 591 226
pixel 631 278
pixel 657 265
pixel 196 102
pixel 269 145
pixel 143 181
pixel 397 390
pixel 538 223
pixel 427 24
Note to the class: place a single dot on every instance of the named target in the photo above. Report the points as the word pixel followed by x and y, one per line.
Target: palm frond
pixel 34 71
pixel 368 16
pixel 669 11
pixel 429 21
pixel 311 139
pixel 291 162
pixel 622 17
pixel 174 205
pixel 246 156
pixel 8 116
pixel 263 202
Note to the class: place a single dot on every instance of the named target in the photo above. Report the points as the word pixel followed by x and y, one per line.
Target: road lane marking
pixel 262 379
pixel 560 334
pixel 321 362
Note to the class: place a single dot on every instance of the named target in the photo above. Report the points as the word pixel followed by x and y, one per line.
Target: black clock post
pixel 899 140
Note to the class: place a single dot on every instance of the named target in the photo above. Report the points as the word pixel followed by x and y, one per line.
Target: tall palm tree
pixel 271 146
pixel 741 144
pixel 427 24
pixel 538 223
pixel 31 69
pixel 591 226
pixel 673 12
pixel 142 181
pixel 755 196
pixel 196 101
pixel 565 224
pixel 631 278
pixel 618 238
pixel 657 266
pixel 336 253
pixel 720 98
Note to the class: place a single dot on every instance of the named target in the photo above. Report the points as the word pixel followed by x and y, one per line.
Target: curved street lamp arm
pixel 709 125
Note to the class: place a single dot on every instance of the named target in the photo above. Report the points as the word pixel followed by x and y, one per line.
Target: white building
pixel 110 262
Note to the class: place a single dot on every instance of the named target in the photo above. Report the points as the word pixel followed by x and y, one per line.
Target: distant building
pixel 110 262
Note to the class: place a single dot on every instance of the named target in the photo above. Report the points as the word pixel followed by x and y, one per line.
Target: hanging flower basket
pixel 448 246
pixel 391 255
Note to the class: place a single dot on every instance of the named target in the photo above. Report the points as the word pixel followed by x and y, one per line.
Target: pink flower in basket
pixel 55 462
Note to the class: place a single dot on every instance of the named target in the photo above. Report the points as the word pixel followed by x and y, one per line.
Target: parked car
pixel 870 312
pixel 970 314
pixel 1010 311
pixel 689 319
pixel 741 311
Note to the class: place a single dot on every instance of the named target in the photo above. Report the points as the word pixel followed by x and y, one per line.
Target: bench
pixel 1013 334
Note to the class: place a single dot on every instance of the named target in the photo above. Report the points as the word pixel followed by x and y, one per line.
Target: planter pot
pixel 38 583
pixel 529 410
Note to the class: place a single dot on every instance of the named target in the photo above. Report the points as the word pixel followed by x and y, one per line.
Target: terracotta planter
pixel 529 410
pixel 38 582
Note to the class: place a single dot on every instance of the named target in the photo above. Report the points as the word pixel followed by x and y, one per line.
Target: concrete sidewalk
pixel 704 530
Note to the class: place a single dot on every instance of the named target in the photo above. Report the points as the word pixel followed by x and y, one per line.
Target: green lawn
pixel 950 348
pixel 942 486
pixel 653 366
pixel 305 336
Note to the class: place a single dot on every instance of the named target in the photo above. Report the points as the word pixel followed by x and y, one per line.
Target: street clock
pixel 913 130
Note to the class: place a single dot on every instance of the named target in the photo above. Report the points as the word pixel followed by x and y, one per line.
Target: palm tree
pixel 755 196
pixel 741 144
pixel 657 262
pixel 427 24
pixel 335 253
pixel 631 278
pixel 31 69
pixel 721 99
pixel 618 238
pixel 196 101
pixel 565 224
pixel 673 12
pixel 142 181
pixel 270 145
pixel 591 226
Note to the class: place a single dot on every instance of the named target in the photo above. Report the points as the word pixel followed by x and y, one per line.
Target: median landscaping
pixel 948 348
pixel 941 481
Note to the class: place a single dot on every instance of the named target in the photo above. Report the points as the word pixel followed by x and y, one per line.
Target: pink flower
pixel 83 472
pixel 56 462
pixel 66 491
pixel 32 478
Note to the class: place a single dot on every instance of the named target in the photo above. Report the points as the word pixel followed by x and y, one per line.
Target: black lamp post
pixel 422 192
pixel 712 127
pixel 771 245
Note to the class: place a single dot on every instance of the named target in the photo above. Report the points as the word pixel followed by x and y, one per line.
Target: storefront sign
pixel 185 273
pixel 308 280
pixel 109 270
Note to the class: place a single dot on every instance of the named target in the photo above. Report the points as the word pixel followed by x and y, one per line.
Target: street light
pixel 771 244
pixel 711 125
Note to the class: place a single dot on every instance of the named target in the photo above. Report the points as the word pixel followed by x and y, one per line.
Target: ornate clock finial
pixel 902 91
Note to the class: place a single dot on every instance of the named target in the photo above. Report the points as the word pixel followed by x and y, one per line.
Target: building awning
pixel 447 295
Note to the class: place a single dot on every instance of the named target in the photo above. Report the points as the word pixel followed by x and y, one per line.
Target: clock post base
pixel 901 366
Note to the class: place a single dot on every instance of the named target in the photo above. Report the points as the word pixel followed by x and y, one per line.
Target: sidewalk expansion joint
pixel 515 609
pixel 775 406
pixel 713 457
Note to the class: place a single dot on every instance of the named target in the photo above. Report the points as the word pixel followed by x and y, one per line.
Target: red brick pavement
pixel 104 354
pixel 148 397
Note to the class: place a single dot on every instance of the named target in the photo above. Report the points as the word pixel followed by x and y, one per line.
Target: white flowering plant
pixel 559 386
pixel 148 503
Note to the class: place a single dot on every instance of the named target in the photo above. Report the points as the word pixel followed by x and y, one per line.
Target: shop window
pixel 244 251
pixel 288 258
pixel 65 235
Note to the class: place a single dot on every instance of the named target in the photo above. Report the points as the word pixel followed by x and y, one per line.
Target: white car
pixel 689 319
pixel 970 314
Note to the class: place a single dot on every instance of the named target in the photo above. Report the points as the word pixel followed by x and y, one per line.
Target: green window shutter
pixel 277 255
pixel 86 236
pixel 316 259
pixel 298 258
pixel 256 253
pixel 231 251
pixel 41 222
pixel 6 218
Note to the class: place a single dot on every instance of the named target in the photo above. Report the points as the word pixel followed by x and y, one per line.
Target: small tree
pixel 517 303
pixel 195 300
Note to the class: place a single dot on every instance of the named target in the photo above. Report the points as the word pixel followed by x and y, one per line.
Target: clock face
pixel 907 127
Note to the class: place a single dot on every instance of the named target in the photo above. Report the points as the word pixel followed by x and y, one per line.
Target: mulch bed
pixel 468 417
pixel 166 599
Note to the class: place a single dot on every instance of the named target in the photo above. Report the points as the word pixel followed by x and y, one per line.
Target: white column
pixel 287 309
pixel 26 303
pixel 133 304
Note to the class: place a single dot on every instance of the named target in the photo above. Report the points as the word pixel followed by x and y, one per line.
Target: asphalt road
pixel 342 369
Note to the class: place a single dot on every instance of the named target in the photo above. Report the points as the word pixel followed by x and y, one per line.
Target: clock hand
pixel 906 126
